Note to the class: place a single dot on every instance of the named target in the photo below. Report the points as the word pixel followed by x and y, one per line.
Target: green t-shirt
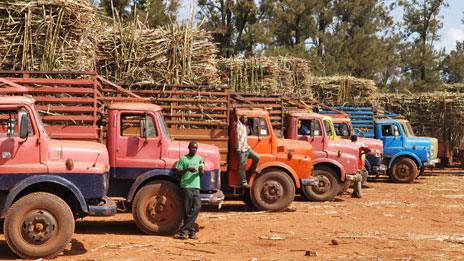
pixel 190 179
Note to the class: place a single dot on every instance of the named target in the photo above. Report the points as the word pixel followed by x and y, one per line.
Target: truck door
pixel 137 152
pixel 259 138
pixel 391 138
pixel 18 155
pixel 310 130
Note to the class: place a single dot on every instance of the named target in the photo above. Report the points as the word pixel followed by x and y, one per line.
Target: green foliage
pixel 453 65
pixel 420 61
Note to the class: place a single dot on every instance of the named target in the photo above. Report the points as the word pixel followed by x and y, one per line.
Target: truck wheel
pixel 158 208
pixel 273 190
pixel 328 185
pixel 404 170
pixel 38 225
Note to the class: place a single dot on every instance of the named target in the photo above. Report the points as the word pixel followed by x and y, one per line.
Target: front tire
pixel 403 170
pixel 158 208
pixel 38 225
pixel 328 185
pixel 273 190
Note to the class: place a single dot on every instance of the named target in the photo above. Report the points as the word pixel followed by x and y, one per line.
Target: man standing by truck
pixel 190 167
pixel 244 152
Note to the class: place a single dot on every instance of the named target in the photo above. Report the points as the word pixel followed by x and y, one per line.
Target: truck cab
pixel 374 159
pixel 143 159
pixel 46 184
pixel 404 153
pixel 336 161
pixel 284 165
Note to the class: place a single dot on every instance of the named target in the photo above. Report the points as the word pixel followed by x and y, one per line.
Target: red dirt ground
pixel 424 220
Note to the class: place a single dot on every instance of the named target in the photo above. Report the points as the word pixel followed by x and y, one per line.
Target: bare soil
pixel 423 220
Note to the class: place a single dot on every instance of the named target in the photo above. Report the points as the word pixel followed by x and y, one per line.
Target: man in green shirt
pixel 190 167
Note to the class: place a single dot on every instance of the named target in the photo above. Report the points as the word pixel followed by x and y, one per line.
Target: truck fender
pixel 332 162
pixel 35 179
pixel 168 173
pixel 405 154
pixel 278 165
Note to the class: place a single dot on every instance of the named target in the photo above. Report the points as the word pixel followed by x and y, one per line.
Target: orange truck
pixel 285 166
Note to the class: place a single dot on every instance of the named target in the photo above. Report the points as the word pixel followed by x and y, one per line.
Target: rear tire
pixel 38 225
pixel 158 208
pixel 403 170
pixel 328 185
pixel 273 190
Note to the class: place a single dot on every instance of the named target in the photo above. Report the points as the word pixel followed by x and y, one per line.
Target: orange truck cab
pixel 285 166
pixel 45 184
pixel 337 162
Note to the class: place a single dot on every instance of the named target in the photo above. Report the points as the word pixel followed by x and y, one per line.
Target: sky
pixel 452 31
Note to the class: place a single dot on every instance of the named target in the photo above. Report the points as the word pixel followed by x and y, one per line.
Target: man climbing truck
pixel 284 165
pixel 46 184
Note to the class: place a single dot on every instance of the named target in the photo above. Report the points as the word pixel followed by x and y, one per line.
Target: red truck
pixel 337 162
pixel 142 156
pixel 46 184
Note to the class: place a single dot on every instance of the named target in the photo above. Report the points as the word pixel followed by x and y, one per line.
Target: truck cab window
pixel 9 123
pixel 341 129
pixel 257 124
pixel 387 130
pixel 305 127
pixel 131 125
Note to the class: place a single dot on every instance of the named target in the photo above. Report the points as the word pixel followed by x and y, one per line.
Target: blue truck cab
pixel 404 154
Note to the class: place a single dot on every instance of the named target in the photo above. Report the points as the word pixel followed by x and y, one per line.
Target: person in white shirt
pixel 244 152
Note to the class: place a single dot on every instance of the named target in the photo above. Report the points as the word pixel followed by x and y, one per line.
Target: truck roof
pixel 16 99
pixel 340 119
pixel 137 106
pixel 304 114
pixel 252 112
pixel 387 121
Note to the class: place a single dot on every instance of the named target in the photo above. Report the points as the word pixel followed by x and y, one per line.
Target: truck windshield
pixel 342 129
pixel 163 126
pixel 40 124
pixel 407 129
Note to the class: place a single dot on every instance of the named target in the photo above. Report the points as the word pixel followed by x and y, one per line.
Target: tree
pixel 121 6
pixel 421 24
pixel 235 25
pixel 360 42
pixel 453 65
pixel 157 12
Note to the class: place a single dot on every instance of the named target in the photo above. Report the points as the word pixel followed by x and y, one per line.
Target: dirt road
pixel 424 220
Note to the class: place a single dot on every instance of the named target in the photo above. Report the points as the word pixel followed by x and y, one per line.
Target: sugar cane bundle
pixel 47 35
pixel 263 75
pixel 343 90
pixel 176 54
pixel 438 114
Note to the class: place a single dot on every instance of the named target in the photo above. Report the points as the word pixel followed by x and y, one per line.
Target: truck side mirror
pixel 24 126
pixel 354 138
pixel 396 132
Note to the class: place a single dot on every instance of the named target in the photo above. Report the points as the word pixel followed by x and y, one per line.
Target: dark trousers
pixel 192 204
pixel 242 158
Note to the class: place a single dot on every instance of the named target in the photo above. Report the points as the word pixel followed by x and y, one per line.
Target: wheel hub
pixel 39 226
pixel 323 184
pixel 158 208
pixel 403 170
pixel 272 191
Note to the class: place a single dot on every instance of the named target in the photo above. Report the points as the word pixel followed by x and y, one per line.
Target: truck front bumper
pixel 431 163
pixel 381 169
pixel 358 177
pixel 215 198
pixel 309 182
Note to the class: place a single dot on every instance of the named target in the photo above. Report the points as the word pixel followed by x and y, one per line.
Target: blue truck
pixel 404 154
